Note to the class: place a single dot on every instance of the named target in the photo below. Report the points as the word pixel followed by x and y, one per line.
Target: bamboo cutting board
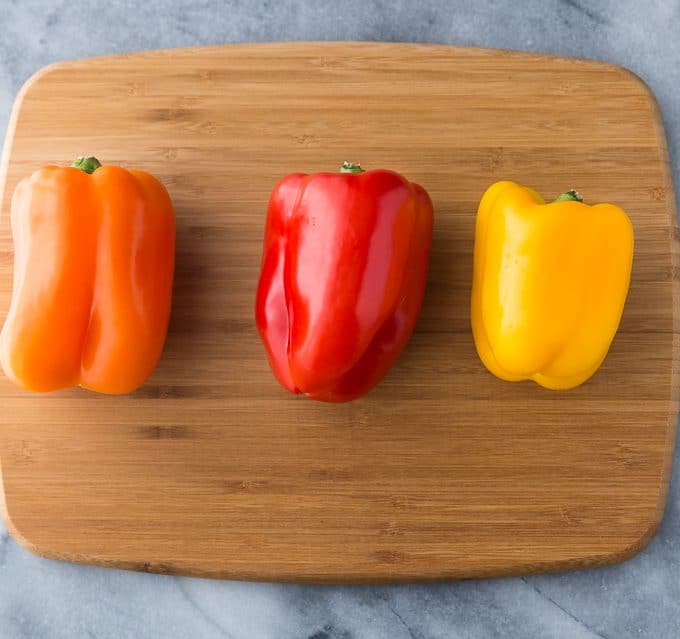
pixel 443 471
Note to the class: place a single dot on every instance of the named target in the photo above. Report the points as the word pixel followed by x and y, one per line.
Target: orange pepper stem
pixel 572 195
pixel 89 165
pixel 351 167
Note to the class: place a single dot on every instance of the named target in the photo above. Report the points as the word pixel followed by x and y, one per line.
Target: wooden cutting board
pixel 443 471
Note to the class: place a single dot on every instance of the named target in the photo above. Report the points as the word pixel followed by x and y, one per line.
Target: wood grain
pixel 443 471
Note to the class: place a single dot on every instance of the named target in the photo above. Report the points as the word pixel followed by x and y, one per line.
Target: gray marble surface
pixel 641 598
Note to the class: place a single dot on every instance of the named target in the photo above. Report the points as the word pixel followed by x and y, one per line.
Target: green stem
pixel 89 165
pixel 569 196
pixel 351 167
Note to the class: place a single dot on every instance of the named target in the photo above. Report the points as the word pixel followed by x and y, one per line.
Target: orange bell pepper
pixel 94 251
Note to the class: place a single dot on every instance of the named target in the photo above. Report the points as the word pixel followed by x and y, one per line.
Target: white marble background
pixel 641 598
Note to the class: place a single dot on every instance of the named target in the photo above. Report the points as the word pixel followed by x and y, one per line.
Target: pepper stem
pixel 351 167
pixel 89 165
pixel 572 195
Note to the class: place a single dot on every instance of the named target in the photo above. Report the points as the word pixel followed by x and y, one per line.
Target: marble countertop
pixel 640 598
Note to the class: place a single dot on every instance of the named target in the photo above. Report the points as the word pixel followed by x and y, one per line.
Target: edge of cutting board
pixel 628 550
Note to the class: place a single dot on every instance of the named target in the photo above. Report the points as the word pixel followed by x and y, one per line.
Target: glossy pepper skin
pixel 342 278
pixel 94 254
pixel 549 284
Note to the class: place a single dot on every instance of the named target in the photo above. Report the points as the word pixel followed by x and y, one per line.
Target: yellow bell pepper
pixel 549 284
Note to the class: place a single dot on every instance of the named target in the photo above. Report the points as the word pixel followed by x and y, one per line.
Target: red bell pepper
pixel 342 278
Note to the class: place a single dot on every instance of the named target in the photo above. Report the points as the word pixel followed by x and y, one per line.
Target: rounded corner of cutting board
pixel 34 81
pixel 11 526
pixel 618 554
pixel 634 79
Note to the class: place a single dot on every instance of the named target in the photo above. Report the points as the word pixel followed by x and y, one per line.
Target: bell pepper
pixel 549 284
pixel 342 278
pixel 93 267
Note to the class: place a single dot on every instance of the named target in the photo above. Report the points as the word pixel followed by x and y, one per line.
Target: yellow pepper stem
pixel 572 195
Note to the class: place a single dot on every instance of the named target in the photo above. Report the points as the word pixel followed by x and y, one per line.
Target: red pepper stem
pixel 351 167
pixel 88 165
pixel 569 196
